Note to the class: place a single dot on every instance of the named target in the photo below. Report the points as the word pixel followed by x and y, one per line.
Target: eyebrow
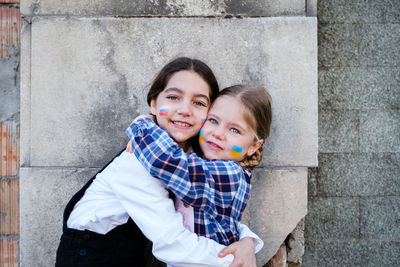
pixel 181 92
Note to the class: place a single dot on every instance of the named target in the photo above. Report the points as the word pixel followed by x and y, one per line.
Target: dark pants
pixel 119 247
pixel 125 245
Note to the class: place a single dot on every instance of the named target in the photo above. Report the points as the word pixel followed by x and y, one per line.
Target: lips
pixel 181 124
pixel 213 146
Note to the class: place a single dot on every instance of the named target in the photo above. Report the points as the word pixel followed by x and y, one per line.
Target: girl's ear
pixel 254 147
pixel 153 109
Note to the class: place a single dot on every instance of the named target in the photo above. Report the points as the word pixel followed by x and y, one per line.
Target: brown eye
pixel 199 103
pixel 172 97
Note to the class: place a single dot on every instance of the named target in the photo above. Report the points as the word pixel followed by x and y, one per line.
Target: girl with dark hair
pixel 110 221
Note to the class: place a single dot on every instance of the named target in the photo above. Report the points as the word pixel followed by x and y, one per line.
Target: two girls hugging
pixel 199 144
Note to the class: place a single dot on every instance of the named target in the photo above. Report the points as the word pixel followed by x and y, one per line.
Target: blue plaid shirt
pixel 218 190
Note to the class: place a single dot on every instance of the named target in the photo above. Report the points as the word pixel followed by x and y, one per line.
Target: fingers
pixel 129 147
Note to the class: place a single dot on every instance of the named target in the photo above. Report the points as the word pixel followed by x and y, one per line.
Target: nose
pixel 219 132
pixel 185 109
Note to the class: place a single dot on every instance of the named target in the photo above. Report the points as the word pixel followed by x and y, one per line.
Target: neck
pixel 184 145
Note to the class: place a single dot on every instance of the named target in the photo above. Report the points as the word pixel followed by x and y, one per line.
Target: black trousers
pixel 123 246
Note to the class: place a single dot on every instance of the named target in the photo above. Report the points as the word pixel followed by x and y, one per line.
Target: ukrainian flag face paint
pixel 164 111
pixel 226 133
pixel 201 138
pixel 236 151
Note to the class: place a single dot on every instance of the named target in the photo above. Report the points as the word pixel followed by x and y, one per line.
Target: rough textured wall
pixel 86 66
pixel 354 195
pixel 10 26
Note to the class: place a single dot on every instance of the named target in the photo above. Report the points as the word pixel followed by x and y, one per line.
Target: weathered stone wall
pixel 86 66
pixel 354 195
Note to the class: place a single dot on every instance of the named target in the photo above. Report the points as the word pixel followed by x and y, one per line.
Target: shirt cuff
pixel 135 129
pixel 246 232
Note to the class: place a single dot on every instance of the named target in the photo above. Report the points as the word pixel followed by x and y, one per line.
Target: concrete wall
pixel 354 195
pixel 86 67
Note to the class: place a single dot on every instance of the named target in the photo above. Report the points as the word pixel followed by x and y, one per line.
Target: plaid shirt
pixel 218 190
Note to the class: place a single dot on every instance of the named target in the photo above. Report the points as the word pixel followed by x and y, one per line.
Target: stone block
pixel 312 182
pixel 387 11
pixel 359 174
pixel 339 87
pixel 278 202
pixel 338 130
pixel 43 196
pixel 311 8
pixel 25 94
pixel 379 130
pixel 338 45
pixel 380 217
pixel 359 88
pixel 380 88
pixel 334 218
pixel 93 73
pixel 164 8
pixel 339 253
pixel 265 8
pixel 380 253
pixel 342 11
pixel 379 45
pixel 309 258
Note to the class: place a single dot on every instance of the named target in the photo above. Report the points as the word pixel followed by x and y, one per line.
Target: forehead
pixel 231 110
pixel 188 82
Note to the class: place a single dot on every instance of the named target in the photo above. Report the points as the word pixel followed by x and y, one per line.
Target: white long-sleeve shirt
pixel 125 189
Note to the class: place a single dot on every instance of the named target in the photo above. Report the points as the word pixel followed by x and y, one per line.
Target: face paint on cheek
pixel 201 138
pixel 202 122
pixel 163 111
pixel 236 151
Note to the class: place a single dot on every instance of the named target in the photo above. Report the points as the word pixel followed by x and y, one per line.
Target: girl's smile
pixel 214 146
pixel 182 105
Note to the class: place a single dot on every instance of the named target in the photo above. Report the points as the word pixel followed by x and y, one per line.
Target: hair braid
pixel 252 161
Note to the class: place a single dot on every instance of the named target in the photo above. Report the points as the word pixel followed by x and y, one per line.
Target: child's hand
pixel 243 252
pixel 142 116
pixel 129 147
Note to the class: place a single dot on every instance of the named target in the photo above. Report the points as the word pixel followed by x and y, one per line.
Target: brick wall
pixel 354 194
pixel 10 27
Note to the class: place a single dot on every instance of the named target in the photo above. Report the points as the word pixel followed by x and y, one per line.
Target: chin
pixel 180 139
pixel 210 156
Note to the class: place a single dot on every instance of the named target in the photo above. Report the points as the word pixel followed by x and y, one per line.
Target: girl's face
pixel 182 105
pixel 226 134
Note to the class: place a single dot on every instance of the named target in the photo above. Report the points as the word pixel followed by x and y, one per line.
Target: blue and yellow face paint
pixel 236 151
pixel 163 111
pixel 201 138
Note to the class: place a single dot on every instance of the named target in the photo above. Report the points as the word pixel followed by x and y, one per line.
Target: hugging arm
pixel 175 171
pixel 200 183
pixel 146 201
